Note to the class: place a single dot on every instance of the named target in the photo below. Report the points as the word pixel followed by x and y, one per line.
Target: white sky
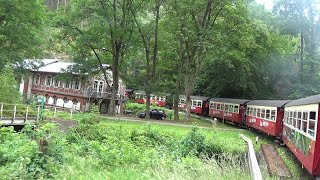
pixel 267 3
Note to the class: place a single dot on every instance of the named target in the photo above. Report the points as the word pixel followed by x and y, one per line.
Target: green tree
pixel 99 32
pixel 21 29
pixel 9 92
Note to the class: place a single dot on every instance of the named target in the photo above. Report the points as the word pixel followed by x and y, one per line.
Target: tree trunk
pixel 148 103
pixel 115 77
pixel 301 56
pixel 188 88
pixel 177 91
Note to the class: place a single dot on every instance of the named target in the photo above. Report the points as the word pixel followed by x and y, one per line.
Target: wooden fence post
pixel 14 114
pixel 55 112
pixel 26 119
pixel 38 114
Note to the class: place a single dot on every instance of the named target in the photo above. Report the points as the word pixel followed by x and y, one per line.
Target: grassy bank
pixel 106 149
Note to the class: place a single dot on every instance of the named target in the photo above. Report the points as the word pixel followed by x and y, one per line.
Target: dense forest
pixel 218 48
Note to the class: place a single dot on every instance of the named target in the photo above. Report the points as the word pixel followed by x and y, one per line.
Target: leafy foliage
pixel 9 92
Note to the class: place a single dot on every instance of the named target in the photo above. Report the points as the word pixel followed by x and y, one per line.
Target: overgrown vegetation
pixel 126 150
pixel 113 149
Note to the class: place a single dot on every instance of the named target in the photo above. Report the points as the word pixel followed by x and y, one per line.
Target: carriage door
pixel 243 114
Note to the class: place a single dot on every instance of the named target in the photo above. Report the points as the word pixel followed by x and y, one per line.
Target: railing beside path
pixel 253 163
pixel 19 114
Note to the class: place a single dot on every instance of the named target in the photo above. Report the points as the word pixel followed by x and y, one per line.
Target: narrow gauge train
pixel 228 109
pixel 199 104
pixel 300 131
pixel 140 97
pixel 266 116
pixel 295 122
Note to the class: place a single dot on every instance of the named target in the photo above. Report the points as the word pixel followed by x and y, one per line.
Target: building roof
pixel 48 65
pixel 228 100
pixel 272 103
pixel 203 98
pixel 304 101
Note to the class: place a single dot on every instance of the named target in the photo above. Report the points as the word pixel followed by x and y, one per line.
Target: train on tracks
pixel 295 122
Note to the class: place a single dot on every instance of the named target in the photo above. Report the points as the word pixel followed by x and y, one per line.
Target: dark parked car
pixel 154 114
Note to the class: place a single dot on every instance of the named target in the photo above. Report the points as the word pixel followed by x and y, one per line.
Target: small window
pixel 263 113
pixel 199 104
pixel 268 114
pixel 36 79
pixel 291 118
pixel 312 115
pixel 311 128
pixel 67 85
pixel 218 106
pixel 294 123
pixel 255 112
pixel 230 108
pixel 211 105
pixel 305 115
pixel 236 109
pixel 273 115
pixel 193 103
pixel 56 83
pixel 299 120
pixel 226 107
pixel 259 112
pixel 304 126
pixel 49 81
pixel 215 106
pixel 250 111
pixel 77 85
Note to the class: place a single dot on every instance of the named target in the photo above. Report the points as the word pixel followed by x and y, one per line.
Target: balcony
pixel 94 93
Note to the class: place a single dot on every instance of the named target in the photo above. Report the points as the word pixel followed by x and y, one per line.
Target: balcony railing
pixel 90 92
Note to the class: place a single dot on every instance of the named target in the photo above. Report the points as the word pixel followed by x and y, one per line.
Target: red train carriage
pixel 160 101
pixel 199 104
pixel 228 109
pixel 140 96
pixel 300 131
pixel 266 115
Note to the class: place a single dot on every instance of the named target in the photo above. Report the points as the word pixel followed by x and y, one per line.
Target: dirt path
pixel 164 122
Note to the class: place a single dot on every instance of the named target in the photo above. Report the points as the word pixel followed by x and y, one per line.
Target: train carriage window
pixel 263 113
pixel 210 105
pixel 255 112
pixel 247 111
pixel 304 121
pixel 273 115
pixel 230 108
pixel 199 104
pixel 290 118
pixel 268 115
pixel 299 120
pixel 236 109
pixel 218 106
pixel 294 123
pixel 311 128
pixel 193 103
pixel 312 123
pixel 215 106
pixel 226 107
pixel 259 112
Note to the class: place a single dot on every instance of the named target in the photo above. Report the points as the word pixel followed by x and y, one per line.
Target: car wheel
pixel 162 118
